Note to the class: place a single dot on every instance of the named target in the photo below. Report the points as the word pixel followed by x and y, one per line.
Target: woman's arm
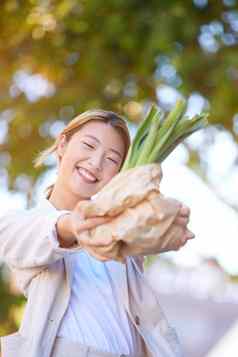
pixel 34 238
pixel 25 238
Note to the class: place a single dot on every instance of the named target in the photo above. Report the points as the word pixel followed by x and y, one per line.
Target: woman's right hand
pixel 71 225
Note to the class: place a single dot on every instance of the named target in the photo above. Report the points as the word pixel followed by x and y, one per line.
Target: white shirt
pixel 95 315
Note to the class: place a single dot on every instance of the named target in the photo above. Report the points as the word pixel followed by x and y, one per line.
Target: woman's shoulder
pixel 42 208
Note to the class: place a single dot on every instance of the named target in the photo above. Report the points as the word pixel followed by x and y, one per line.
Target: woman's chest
pixel 91 274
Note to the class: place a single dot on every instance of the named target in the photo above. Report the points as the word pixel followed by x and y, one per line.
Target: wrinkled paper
pixel 141 216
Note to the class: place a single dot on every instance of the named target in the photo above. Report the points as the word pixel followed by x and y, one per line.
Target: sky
pixel 213 222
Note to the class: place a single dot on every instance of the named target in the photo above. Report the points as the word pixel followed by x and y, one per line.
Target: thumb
pixel 94 222
pixel 79 207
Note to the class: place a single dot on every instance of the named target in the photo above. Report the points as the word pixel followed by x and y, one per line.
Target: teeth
pixel 86 174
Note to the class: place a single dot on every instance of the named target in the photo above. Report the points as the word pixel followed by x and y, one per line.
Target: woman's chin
pixel 84 192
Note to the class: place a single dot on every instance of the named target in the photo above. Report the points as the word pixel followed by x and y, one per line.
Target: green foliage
pixel 92 51
pixel 9 302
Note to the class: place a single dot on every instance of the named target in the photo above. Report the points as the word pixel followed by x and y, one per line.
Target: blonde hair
pixel 115 120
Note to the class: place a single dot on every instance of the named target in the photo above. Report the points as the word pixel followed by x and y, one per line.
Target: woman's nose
pixel 96 161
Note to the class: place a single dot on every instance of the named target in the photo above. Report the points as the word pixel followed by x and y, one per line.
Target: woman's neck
pixel 62 200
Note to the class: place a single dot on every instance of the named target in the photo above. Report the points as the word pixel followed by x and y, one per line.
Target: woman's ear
pixel 61 147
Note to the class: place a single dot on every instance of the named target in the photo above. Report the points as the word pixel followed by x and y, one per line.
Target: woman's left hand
pixel 180 223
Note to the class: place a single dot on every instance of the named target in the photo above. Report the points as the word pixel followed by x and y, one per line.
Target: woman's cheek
pixel 104 181
pixel 109 176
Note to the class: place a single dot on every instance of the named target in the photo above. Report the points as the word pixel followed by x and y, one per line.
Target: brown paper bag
pixel 142 216
pixel 125 190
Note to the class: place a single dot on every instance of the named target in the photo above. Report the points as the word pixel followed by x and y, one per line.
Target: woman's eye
pixel 88 145
pixel 109 158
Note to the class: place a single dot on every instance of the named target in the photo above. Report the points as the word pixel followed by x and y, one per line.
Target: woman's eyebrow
pixel 116 152
pixel 93 137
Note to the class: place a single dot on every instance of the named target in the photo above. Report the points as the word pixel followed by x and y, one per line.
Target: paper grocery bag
pixel 142 217
pixel 126 189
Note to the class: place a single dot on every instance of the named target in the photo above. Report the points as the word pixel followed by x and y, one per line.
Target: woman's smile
pixel 86 175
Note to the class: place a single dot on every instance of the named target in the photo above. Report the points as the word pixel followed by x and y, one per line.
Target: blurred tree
pixel 59 58
pixel 10 301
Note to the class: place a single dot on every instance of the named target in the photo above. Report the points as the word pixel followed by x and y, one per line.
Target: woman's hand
pixel 106 248
pixel 72 224
pixel 183 234
pixel 172 238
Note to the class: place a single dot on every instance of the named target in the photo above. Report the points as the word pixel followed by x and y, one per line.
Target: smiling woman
pixel 90 151
pixel 87 162
pixel 85 303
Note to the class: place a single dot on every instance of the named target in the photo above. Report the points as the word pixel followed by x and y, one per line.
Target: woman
pixel 80 302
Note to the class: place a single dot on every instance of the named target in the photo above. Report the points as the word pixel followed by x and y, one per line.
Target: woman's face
pixel 90 159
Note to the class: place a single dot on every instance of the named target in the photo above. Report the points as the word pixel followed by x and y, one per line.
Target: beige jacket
pixel 44 275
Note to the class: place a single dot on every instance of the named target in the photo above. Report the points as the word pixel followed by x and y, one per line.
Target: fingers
pixel 187 236
pixel 82 227
pixel 101 242
pixel 91 223
pixel 181 220
pixel 84 235
pixel 181 238
pixel 184 211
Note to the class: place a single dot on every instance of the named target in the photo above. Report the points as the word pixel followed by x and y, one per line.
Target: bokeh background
pixel 59 58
